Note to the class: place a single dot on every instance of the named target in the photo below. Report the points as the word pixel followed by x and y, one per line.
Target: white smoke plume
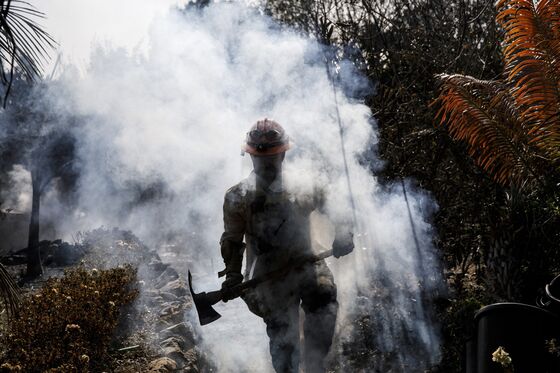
pixel 160 146
pixel 18 195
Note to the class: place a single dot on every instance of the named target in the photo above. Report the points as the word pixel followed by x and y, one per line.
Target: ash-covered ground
pixel 159 331
pixel 152 334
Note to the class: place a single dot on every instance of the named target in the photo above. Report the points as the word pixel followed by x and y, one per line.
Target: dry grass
pixel 67 326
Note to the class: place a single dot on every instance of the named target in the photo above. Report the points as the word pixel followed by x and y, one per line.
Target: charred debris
pixel 108 303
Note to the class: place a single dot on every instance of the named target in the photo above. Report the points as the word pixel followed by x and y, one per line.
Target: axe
pixel 204 301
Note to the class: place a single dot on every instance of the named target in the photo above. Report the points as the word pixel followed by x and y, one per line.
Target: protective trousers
pixel 278 304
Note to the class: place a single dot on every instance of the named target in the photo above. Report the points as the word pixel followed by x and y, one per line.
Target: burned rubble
pixel 152 333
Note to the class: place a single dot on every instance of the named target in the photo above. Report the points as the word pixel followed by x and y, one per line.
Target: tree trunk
pixel 34 267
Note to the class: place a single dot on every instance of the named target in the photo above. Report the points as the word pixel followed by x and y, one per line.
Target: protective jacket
pixel 275 225
pixel 274 222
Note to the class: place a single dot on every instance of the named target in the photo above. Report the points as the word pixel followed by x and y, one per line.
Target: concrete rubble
pixel 164 295
pixel 170 299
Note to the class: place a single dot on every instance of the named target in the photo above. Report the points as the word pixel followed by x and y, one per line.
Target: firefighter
pixel 270 225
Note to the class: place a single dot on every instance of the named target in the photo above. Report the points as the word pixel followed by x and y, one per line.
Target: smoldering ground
pixel 159 144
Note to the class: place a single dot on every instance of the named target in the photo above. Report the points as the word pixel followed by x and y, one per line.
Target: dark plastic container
pixel 470 352
pixel 552 299
pixel 523 331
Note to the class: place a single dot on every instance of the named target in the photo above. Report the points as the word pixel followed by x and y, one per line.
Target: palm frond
pixel 532 66
pixel 484 116
pixel 9 292
pixel 23 42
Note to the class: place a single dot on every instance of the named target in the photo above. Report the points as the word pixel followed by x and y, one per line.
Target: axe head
pixel 203 303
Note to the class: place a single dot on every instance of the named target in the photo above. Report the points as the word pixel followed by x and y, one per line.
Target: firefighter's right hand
pixel 231 280
pixel 343 244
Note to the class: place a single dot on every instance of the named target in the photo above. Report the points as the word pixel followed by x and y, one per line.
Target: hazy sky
pixel 78 24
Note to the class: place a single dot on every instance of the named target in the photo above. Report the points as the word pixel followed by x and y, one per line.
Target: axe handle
pixel 204 301
pixel 280 272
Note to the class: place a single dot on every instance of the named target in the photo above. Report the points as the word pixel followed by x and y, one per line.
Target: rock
pixel 168 297
pixel 162 365
pixel 151 293
pixel 166 277
pixel 181 328
pixel 177 288
pixel 191 363
pixel 162 324
pixel 182 331
pixel 172 342
pixel 187 361
pixel 184 342
pixel 156 297
pixel 157 266
pixel 175 352
pixel 155 301
pixel 173 312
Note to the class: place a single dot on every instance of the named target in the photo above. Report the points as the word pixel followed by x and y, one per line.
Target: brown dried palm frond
pixel 9 291
pixel 23 42
pixel 532 65
pixel 483 114
pixel 512 127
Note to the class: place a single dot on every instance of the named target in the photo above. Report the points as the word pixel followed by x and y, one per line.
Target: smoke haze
pixel 160 144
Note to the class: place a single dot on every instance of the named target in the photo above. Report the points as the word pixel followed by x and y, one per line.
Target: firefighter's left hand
pixel 343 245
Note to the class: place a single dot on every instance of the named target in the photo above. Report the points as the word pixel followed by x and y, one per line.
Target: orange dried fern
pixel 510 126
pixel 482 114
pixel 532 65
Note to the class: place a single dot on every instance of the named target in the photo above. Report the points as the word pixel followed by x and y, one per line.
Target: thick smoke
pixel 160 145
pixel 17 196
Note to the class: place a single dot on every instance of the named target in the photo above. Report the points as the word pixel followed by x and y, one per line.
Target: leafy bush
pixel 67 326
pixel 458 327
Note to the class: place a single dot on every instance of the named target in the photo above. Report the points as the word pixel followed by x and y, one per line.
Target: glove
pixel 343 245
pixel 232 279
